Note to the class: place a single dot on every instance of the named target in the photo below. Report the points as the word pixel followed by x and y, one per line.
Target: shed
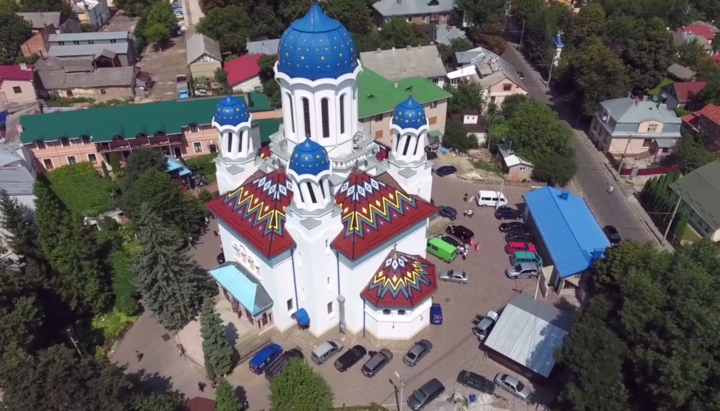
pixel 680 72
pixel 528 333
pixel 515 168
pixel 203 56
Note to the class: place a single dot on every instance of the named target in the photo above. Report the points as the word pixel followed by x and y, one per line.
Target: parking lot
pixel 164 65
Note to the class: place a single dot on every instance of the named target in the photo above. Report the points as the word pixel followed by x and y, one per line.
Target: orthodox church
pixel 315 230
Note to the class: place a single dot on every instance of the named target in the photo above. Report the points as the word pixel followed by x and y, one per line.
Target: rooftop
pixel 700 189
pixel 632 111
pixel 700 30
pixel 92 78
pixel 199 45
pixel 243 286
pixel 88 49
pixel 445 34
pixel 389 8
pixel 16 72
pixel 685 91
pixel 242 68
pixel 568 228
pixel 529 332
pixel 269 47
pixel 402 63
pixel 95 36
pixel 379 95
pixel 680 72
pixel 402 281
pixel 15 178
pixel 40 20
pixel 710 111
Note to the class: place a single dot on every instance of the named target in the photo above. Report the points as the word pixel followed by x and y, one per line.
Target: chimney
pixel 564 195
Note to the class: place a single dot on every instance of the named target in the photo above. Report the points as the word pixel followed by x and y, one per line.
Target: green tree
pixel 161 13
pixel 123 282
pixel 466 96
pixel 265 23
pixel 14 31
pixel 681 223
pixel 272 90
pixel 216 348
pixel 649 53
pixel 168 282
pixel 354 15
pixel 141 161
pixel 221 77
pixel 11 6
pixel 300 388
pixel 540 30
pixel 457 137
pixel 157 35
pixel 165 401
pixel 230 26
pixel 555 169
pixel 266 63
pixel 524 9
pixel 588 25
pixel 17 220
pixel 115 164
pixel 447 53
pixel 599 75
pixel 399 33
pixel 44 6
pixel 510 105
pixel 537 133
pixel 225 398
pixel 691 155
pixel 21 312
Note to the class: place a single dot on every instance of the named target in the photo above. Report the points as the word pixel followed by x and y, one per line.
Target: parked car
pixel 279 366
pixel 326 350
pixel 475 381
pixel 522 257
pixel 513 386
pixel 454 276
pixel 460 232
pixel 524 270
pixel 417 352
pixel 482 330
pixel 436 317
pixel 447 212
pixel 445 171
pixel 612 234
pixel 425 394
pixel 513 226
pixel 507 213
pixel 515 247
pixel 377 361
pixel 451 239
pixel 513 237
pixel 264 358
pixel 350 358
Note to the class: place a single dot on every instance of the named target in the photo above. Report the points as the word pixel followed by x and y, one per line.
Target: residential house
pixel 706 120
pixel 243 73
pixel 203 56
pixel 265 47
pixel 473 123
pixel 414 11
pixel 39 21
pixel 178 128
pixel 109 48
pixel 81 77
pixel 402 63
pixel 514 167
pixel 93 12
pixel 17 177
pixel 378 97
pixel 16 84
pixel 700 194
pixel 626 127
pixel 681 73
pixel 680 38
pixel 681 94
pixel 700 31
pixel 445 34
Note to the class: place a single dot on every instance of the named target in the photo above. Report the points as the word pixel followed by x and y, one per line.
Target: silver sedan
pixel 454 276
pixel 513 386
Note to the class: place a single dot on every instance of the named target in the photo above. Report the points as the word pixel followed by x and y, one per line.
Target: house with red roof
pixel 681 94
pixel 700 31
pixel 16 84
pixel 243 73
pixel 706 120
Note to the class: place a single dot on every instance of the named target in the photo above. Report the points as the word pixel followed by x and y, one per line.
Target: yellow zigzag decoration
pixel 411 277
pixel 382 209
pixel 275 215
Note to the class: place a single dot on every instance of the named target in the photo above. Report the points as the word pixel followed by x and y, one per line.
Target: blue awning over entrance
pixel 302 317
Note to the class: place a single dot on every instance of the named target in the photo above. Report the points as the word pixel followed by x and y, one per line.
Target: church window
pixel 229 139
pixel 292 112
pixel 302 197
pixel 417 144
pixel 312 193
pixel 306 116
pixel 324 107
pixel 342 114
pixel 407 144
pixel 387 312
pixel 322 189
pixel 241 137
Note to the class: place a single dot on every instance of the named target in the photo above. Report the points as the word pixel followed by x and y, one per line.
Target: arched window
pixel 324 107
pixel 292 112
pixel 306 115
pixel 417 144
pixel 250 262
pixel 407 144
pixel 302 197
pixel 342 114
pixel 241 136
pixel 386 312
pixel 229 139
pixel 322 188
pixel 401 312
pixel 312 194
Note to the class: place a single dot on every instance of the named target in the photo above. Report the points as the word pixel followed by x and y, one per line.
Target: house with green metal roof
pixel 699 195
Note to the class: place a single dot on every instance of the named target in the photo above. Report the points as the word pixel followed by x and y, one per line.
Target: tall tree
pixel 165 401
pixel 168 282
pixel 354 15
pixel 649 53
pixel 225 398
pixel 599 75
pixel 536 132
pixel 14 30
pixel 265 23
pixel 511 104
pixel 18 222
pixel 217 351
pixel 21 313
pixel 589 24
pixel 466 96
pixel 556 169
pixel 51 215
pixel 300 388
pixel 230 26
pixel 141 161
pixel 399 33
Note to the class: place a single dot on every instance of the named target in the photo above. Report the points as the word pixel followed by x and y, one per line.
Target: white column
pixel 235 146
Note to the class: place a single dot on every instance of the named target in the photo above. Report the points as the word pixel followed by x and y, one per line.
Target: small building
pixel 17 85
pixel 705 120
pixel 681 73
pixel 243 73
pixel 681 94
pixel 93 12
pixel 39 21
pixel 473 123
pixel 112 45
pixel 700 194
pixel 402 63
pixel 526 336
pixel 203 56
pixel 246 294
pixel 416 12
pixel 571 238
pixel 514 167
pixel 264 47
pixel 445 34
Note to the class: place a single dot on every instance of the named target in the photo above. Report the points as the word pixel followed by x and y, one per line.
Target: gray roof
pixel 97 78
pixel 15 178
pixel 40 20
pixel 88 50
pixel 388 8
pixel 268 47
pixel 701 190
pixel 445 34
pixel 467 57
pixel 199 45
pixel 402 63
pixel 529 332
pixel 50 63
pixel 495 70
pixel 99 35
pixel 628 110
pixel 682 73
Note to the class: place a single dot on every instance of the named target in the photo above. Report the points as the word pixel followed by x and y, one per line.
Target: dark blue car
pixel 445 171
pixel 436 314
pixel 264 358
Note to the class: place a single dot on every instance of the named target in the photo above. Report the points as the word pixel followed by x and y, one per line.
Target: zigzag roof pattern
pixel 402 281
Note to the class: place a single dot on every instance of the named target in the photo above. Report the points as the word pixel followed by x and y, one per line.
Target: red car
pixel 511 248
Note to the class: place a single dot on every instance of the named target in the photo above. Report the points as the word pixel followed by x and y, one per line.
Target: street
pixel 593 177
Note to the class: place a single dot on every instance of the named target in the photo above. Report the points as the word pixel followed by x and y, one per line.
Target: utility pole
pixel 522 34
pixel 73 341
pixel 672 217
pixel 502 186
pixel 402 387
pixel 622 159
pixel 537 286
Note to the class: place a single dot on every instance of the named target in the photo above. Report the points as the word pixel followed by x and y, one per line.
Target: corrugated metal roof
pixel 243 286
pixel 269 47
pixel 632 111
pixel 389 8
pixel 445 34
pixel 94 36
pixel 15 178
pixel 42 19
pixel 701 190
pixel 88 49
pixel 402 63
pixel 97 78
pixel 568 228
pixel 528 332
pixel 198 45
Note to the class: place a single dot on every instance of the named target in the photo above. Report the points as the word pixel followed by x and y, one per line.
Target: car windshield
pixel 450 273
pixel 518 268
pixel 420 396
pixel 411 355
pixel 332 344
pixel 520 386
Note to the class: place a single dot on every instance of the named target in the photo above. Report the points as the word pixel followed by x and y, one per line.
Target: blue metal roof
pixel 243 287
pixel 172 164
pixel 231 111
pixel 310 158
pixel 409 114
pixel 568 228
pixel 316 47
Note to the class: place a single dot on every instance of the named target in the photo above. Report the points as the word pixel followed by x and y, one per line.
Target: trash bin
pixel 473 398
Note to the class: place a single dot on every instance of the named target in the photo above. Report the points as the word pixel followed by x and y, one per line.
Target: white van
pixel 487 198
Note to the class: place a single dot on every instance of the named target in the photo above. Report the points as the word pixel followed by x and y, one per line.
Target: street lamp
pixel 402 386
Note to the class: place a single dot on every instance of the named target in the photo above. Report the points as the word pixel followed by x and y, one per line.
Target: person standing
pixel 470 213
pixel 139 355
pixel 611 189
pixel 201 386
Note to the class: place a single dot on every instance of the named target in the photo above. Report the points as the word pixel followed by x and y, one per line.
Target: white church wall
pixel 394 326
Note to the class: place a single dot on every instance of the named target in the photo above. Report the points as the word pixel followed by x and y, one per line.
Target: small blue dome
pixel 231 111
pixel 309 157
pixel 316 47
pixel 409 114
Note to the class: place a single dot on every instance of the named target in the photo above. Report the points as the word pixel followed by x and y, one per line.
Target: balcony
pixel 119 144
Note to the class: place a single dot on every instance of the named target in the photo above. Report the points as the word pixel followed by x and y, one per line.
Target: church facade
pixel 315 230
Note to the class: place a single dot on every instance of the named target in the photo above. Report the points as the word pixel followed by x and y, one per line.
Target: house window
pixel 48 164
pixel 77 43
pixel 522 169
pixel 401 312
pixel 69 93
pixel 197 146
pixel 379 117
pixel 387 312
pixel 424 18
pixel 61 43
pixel 306 116
pixel 342 114
pixel 113 41
pixel 91 42
pixel 324 107
pixel 507 87
pixel 103 91
pixel 432 120
pixel 330 308
pixel 40 144
pixel 665 150
pixel 290 305
pixel 454 81
pixel 17 90
pixel 65 142
pixel 71 160
pixel 647 142
pixel 193 128
pixel 652 128
pixel 435 80
pixel 292 112
pixel 433 104
pixel 92 158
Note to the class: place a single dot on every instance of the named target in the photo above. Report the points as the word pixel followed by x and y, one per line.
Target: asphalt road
pixel 593 177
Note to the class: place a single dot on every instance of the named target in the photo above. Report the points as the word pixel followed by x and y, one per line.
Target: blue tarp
pixel 173 165
pixel 302 317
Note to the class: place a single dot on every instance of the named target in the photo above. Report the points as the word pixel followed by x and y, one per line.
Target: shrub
pixel 82 189
pixel 123 283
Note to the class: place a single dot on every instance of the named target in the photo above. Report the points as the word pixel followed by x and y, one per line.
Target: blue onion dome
pixel 409 114
pixel 231 111
pixel 310 158
pixel 316 47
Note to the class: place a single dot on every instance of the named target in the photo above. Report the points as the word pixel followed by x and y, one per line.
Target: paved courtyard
pixel 164 65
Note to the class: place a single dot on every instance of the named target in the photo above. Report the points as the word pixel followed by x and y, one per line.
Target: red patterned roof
pixel 402 281
pixel 256 211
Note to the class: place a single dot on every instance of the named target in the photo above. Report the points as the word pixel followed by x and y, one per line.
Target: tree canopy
pixel 300 388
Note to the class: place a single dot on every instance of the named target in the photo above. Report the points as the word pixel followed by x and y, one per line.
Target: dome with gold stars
pixel 231 111
pixel 409 114
pixel 309 158
pixel 317 46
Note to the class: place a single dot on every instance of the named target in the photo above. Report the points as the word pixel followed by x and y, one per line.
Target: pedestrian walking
pixel 181 350
pixel 139 355
pixel 465 213
pixel 216 233
pixel 472 241
pixel 611 189
pixel 465 198
pixel 470 213
pixel 201 386
pixel 214 384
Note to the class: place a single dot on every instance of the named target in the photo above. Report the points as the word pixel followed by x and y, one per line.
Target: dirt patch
pixel 164 66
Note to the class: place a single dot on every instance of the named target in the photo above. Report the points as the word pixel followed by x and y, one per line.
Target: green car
pixel 521 257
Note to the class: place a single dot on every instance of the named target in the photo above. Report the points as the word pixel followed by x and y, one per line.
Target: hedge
pixel 82 189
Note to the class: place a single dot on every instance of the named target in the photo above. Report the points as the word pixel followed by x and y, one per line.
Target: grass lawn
pixel 112 326
pixel 664 82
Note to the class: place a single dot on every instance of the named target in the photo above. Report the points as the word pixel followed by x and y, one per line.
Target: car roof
pixel 417 348
pixel 524 254
pixel 519 244
pixel 323 348
pixel 510 379
pixel 264 354
pixel 527 266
